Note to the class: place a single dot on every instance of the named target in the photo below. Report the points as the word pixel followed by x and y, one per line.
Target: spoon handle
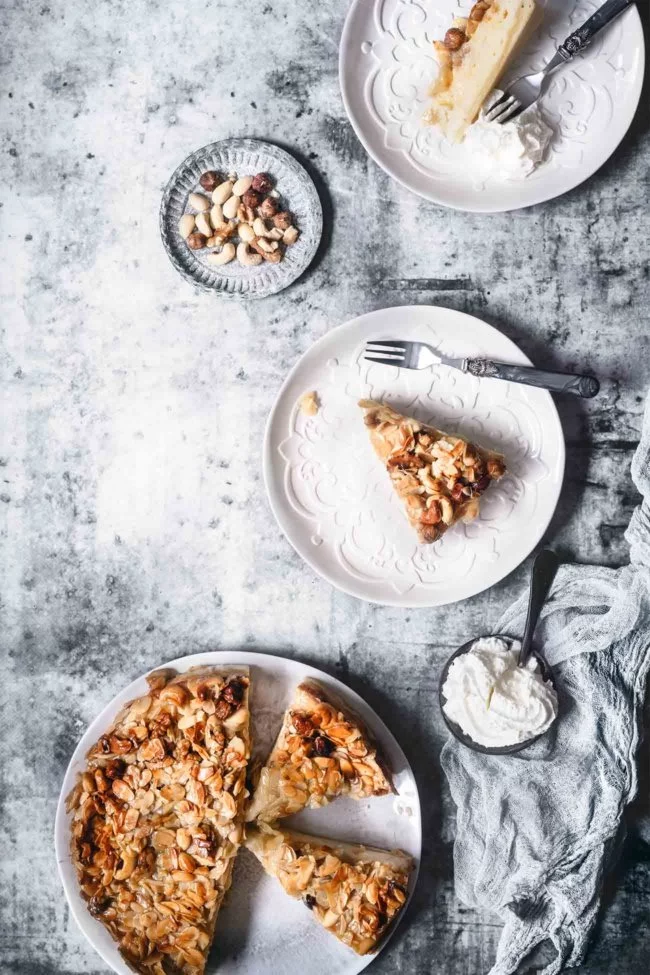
pixel 544 568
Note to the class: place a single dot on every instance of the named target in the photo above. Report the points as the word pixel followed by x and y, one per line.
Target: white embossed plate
pixel 333 498
pixel 386 65
pixel 260 930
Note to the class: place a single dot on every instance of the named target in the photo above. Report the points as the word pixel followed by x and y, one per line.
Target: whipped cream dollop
pixel 511 150
pixel 495 701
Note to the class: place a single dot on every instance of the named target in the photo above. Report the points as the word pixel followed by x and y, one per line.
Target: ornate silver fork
pixel 417 355
pixel 525 91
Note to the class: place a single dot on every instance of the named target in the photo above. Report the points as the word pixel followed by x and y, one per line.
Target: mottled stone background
pixel 134 522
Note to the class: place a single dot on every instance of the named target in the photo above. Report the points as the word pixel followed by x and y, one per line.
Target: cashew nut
pixel 224 256
pixel 128 866
pixel 216 215
pixel 275 234
pixel 245 257
pixel 242 184
pixel 230 207
pixel 260 227
pixel 198 201
pixel 186 225
pixel 222 192
pixel 291 235
pixel 203 224
pixel 246 232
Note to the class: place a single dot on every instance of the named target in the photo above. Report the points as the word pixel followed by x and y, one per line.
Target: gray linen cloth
pixel 536 830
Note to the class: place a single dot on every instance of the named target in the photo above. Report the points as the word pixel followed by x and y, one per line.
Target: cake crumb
pixel 309 404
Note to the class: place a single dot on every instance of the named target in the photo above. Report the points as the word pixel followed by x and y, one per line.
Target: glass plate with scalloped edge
pixel 333 499
pixel 244 157
pixel 260 929
pixel 387 64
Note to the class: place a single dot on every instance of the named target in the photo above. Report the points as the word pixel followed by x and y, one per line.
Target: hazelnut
pixel 251 199
pixel 223 709
pixel 323 746
pixel 210 180
pixel 262 183
pixel 301 723
pixel 233 692
pixel 196 241
pixel 454 39
pixel 268 207
pixel 283 220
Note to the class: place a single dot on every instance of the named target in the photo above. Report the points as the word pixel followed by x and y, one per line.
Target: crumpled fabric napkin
pixel 536 830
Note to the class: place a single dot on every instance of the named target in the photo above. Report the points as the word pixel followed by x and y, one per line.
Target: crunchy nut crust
pixel 157 817
pixel 323 751
pixel 355 892
pixel 439 477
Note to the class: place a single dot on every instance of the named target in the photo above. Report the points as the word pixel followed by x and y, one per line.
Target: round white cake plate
pixel 333 498
pixel 260 929
pixel 387 65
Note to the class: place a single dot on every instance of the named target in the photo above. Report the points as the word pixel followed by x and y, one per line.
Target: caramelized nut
pixel 454 39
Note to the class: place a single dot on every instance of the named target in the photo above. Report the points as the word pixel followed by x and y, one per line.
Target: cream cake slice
pixel 473 56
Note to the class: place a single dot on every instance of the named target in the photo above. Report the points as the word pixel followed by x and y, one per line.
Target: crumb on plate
pixel 309 404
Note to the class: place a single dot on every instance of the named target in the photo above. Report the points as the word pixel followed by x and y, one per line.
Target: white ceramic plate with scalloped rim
pixel 386 66
pixel 333 498
pixel 260 930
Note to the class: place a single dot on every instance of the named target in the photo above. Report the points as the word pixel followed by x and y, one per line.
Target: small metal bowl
pixel 458 732
pixel 298 193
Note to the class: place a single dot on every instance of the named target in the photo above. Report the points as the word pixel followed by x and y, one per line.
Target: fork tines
pixel 506 108
pixel 385 353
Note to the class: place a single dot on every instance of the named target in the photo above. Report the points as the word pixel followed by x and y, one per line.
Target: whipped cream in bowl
pixel 492 704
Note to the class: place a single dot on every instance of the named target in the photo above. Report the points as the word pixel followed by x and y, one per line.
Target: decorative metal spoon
pixel 543 572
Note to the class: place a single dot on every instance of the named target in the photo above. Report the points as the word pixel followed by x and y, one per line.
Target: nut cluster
pixel 157 817
pixel 464 27
pixel 321 753
pixel 439 477
pixel 356 901
pixel 242 218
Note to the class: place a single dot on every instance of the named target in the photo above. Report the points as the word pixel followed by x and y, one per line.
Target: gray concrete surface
pixel 134 521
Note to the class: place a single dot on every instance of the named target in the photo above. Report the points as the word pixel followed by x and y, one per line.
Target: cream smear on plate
pixel 493 700
pixel 509 151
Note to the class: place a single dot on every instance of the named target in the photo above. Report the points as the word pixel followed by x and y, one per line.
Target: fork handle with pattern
pixel 554 382
pixel 577 42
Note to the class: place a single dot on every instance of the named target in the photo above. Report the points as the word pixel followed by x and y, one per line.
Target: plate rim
pixel 218 658
pixel 235 142
pixel 431 196
pixel 267 463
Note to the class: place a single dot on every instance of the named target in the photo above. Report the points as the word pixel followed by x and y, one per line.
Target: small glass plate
pixel 298 193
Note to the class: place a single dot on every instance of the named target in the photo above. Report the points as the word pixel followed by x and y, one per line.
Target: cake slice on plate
pixel 354 891
pixel 472 57
pixel 157 817
pixel 323 751
pixel 439 477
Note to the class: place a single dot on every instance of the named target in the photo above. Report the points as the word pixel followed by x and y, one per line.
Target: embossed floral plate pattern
pixel 261 930
pixel 244 157
pixel 333 498
pixel 387 64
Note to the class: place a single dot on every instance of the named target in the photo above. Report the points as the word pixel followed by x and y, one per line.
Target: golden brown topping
pixel 154 833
